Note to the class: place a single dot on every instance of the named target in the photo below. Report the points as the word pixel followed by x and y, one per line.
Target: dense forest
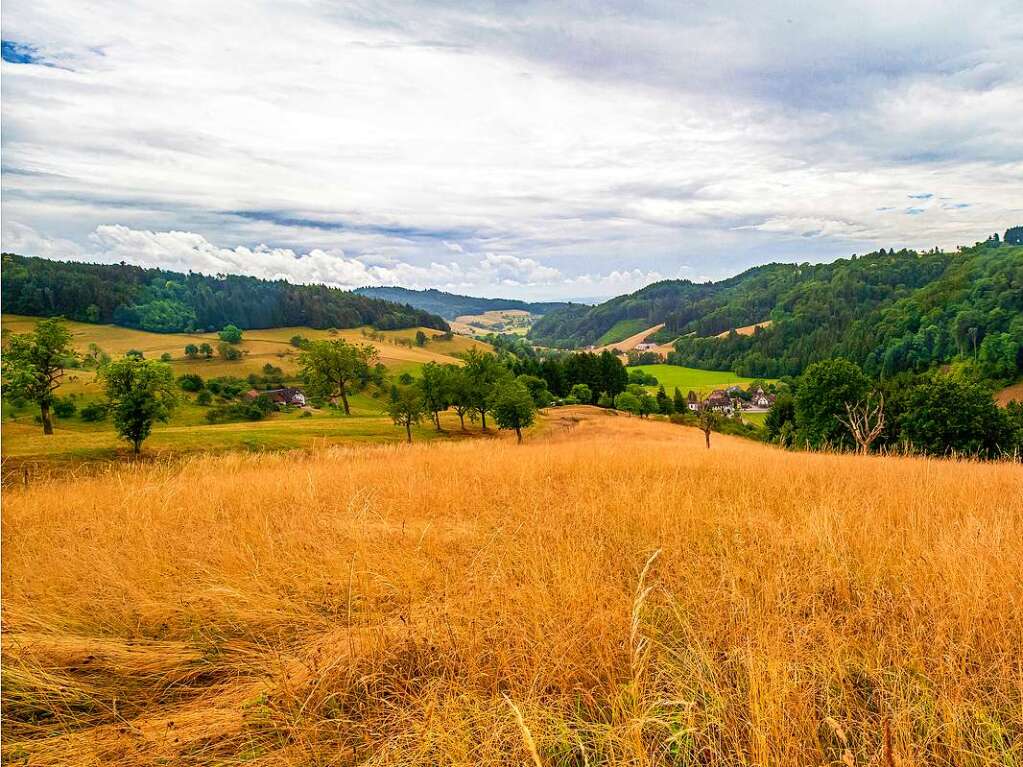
pixel 451 305
pixel 887 311
pixel 171 302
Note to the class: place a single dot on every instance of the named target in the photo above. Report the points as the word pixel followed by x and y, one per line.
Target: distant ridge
pixel 451 305
pixel 888 311
pixel 170 302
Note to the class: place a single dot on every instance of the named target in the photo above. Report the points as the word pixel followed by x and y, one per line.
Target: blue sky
pixel 520 149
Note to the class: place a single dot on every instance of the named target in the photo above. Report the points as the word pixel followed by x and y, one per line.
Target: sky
pixel 521 149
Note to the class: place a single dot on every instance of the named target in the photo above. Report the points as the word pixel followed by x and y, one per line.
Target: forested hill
pixel 170 302
pixel 888 311
pixel 452 305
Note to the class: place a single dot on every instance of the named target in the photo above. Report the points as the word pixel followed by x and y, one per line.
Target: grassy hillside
pixel 621 330
pixel 566 601
pixel 700 381
pixel 187 430
pixel 887 311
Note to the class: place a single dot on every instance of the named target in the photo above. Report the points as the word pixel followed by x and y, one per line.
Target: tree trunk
pixel 436 419
pixel 136 446
pixel 461 419
pixel 44 414
pixel 706 435
pixel 483 419
pixel 518 433
pixel 344 400
pixel 408 431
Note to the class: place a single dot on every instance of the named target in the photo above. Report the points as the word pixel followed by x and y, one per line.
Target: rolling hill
pixel 888 311
pixel 170 302
pixel 451 305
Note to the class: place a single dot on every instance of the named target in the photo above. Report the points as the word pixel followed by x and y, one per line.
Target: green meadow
pixel 700 381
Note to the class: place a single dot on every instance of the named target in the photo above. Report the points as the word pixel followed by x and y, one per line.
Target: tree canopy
pixel 170 302
pixel 33 365
pixel 140 392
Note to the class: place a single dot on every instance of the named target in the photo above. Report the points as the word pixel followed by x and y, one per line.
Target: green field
pixel 622 330
pixel 188 430
pixel 700 381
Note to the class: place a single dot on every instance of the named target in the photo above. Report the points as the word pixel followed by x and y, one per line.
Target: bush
pixel 305 414
pixel 227 387
pixel 190 382
pixel 228 352
pixel 166 357
pixel 94 411
pixel 64 407
pixel 204 398
pixel 252 410
pixel 299 342
pixel 231 334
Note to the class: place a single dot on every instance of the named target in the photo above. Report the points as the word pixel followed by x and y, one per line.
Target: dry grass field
pixel 563 602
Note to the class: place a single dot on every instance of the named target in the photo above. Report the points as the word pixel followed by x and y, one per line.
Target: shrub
pixel 166 357
pixel 190 382
pixel 204 398
pixel 252 410
pixel 231 334
pixel 64 407
pixel 94 411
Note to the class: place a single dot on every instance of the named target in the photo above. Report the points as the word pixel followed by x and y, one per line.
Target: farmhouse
pixel 645 347
pixel 760 400
pixel 692 401
pixel 285 396
pixel 719 400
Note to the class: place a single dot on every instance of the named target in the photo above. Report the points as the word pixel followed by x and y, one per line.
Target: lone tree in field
pixel 332 369
pixel 706 420
pixel 406 408
pixel 231 334
pixel 865 421
pixel 140 392
pixel 206 350
pixel 514 408
pixel 33 365
pixel 191 351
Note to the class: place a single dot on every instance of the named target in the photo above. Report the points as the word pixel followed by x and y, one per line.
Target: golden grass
pixel 746 330
pixel 482 603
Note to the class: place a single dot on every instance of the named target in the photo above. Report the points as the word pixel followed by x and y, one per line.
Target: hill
pixel 188 431
pixel 451 305
pixel 171 302
pixel 566 601
pixel 888 311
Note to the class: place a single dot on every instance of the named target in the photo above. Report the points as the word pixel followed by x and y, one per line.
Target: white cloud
pixel 511 149
pixel 188 251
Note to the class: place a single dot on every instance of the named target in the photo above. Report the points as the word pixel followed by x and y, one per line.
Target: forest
pixel 888 311
pixel 170 302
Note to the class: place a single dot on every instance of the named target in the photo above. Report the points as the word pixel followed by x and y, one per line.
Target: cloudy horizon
pixel 526 150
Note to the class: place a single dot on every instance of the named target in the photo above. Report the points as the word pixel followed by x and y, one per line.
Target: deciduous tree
pixel 33 365
pixel 333 368
pixel 514 408
pixel 140 393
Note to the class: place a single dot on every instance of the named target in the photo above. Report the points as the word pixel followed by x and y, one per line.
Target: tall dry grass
pixel 608 593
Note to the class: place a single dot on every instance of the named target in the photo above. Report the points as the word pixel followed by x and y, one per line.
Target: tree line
pixel 835 405
pixel 170 302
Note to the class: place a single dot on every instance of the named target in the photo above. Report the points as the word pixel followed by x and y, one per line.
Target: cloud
pixel 530 145
pixel 188 251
